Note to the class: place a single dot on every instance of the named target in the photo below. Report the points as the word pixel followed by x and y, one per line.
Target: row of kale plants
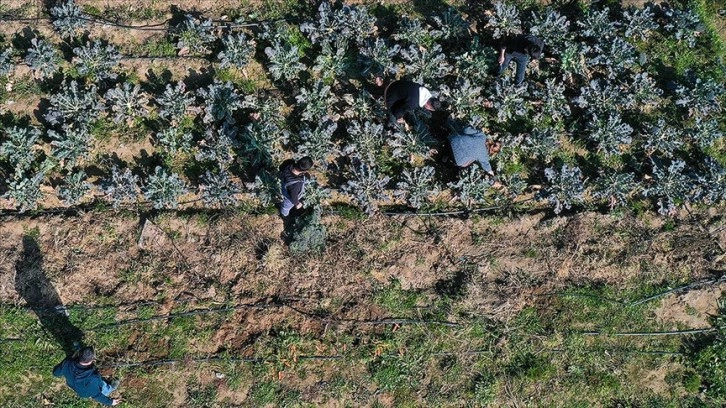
pixel 610 121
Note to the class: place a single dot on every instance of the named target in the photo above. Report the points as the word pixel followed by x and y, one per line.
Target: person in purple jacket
pixel 83 377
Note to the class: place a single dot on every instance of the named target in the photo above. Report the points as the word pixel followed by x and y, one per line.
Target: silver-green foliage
pixel 552 28
pixel 25 191
pixel 505 20
pixel 702 97
pixel 554 104
pixel 333 61
pixel 350 23
pixel 542 143
pixel 308 234
pixel 6 62
pixel 318 142
pixel 597 25
pixel 377 58
pixel 425 65
pixel 195 36
pixel 565 187
pixel 472 64
pixel 417 186
pixel 645 92
pixel 96 60
pixel 221 100
pixel 451 24
pixel 284 61
pixel 685 25
pixel 407 143
pixel 365 141
pixel 610 133
pixel 363 105
pixel 315 194
pixel 262 143
pixel 509 100
pixel 705 132
pixel 175 102
pixel 472 186
pixel 163 189
pixel 616 188
pixel 174 140
pixel 218 145
pixel 74 104
pixel 43 58
pixel 127 102
pixel 615 56
pixel 68 18
pixel 671 185
pixel 122 187
pixel 266 188
pixel 366 188
pixel 70 146
pixel 414 32
pixel 663 138
pixel 236 51
pixel 464 98
pixel 712 183
pixel 218 189
pixel 640 23
pixel 74 188
pixel 317 102
pixel 19 147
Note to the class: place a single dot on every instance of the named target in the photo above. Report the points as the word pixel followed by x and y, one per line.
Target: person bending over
pixel 293 177
pixel 83 377
pixel 522 49
pixel 404 96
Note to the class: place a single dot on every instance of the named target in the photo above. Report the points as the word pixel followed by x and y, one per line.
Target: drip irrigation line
pixel 593 351
pixel 684 288
pixel 645 334
pixel 582 295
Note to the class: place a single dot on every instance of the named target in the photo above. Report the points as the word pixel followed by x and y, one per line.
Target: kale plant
pixel 565 187
pixel 640 23
pixel 308 234
pixel 96 60
pixel 417 186
pixel 573 61
pixel 70 146
pixel 451 25
pixel 705 132
pixel 174 103
pixel 597 25
pixel 220 102
pixel 472 186
pixel 645 92
pixel 284 61
pixel 415 33
pixel 74 105
pixel 174 140
pixel 333 61
pixel 542 144
pixel 509 100
pixel 350 23
pixel 318 143
pixel 127 102
pixel 19 147
pixel 68 19
pixel 262 144
pixel 475 61
pixel 552 28
pixel 315 194
pixel 663 138
pixel 6 62
pixel 553 104
pixel 615 56
pixel 317 102
pixel 218 189
pixel 712 184
pixel 505 20
pixel 236 51
pixel 701 97
pixel 365 141
pixel 363 106
pixel 164 189
pixel 366 188
pixel 268 107
pixel 425 65
pixel 615 188
pixel 74 188
pixel 408 143
pixel 464 98
pixel 218 145
pixel 685 25
pixel 610 134
pixel 377 58
pixel 266 187
pixel 671 185
pixel 43 58
pixel 25 192
pixel 194 36
pixel 123 186
pixel 603 97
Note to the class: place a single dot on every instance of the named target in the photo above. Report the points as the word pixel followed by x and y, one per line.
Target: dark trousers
pixel 521 59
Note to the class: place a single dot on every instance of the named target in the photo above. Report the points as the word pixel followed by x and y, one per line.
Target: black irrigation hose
pixel 593 351
pixel 645 334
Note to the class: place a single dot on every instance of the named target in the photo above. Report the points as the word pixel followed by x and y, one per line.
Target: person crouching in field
pixel 404 96
pixel 470 145
pixel 522 49
pixel 83 377
pixel 293 177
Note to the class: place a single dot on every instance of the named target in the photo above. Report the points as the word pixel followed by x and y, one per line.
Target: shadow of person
pixel 40 295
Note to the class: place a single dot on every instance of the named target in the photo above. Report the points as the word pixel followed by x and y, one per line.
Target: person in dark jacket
pixel 404 96
pixel 293 177
pixel 83 377
pixel 521 49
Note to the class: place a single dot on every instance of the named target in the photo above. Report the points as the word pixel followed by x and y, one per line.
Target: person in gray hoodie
pixel 83 377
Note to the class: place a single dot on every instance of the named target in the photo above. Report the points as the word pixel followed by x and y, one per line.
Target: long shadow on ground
pixel 40 295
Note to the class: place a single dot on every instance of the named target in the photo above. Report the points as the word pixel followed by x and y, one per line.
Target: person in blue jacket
pixel 83 377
